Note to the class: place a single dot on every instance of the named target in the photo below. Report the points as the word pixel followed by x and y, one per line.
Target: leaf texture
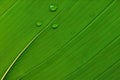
pixel 85 46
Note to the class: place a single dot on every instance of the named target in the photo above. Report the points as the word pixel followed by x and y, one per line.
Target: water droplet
pixel 54 26
pixel 38 24
pixel 53 7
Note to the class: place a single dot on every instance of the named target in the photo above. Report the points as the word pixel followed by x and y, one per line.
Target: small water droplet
pixel 54 26
pixel 38 24
pixel 53 7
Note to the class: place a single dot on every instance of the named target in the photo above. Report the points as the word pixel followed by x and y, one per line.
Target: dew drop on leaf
pixel 54 26
pixel 53 7
pixel 38 24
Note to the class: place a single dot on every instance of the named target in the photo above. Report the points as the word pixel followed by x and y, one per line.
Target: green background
pixel 85 44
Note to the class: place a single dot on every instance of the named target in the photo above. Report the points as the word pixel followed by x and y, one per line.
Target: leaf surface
pixel 84 46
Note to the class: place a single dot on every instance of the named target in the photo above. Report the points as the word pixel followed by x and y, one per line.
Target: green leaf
pixel 59 39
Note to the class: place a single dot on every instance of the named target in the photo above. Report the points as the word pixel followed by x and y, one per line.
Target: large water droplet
pixel 53 7
pixel 54 26
pixel 38 24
